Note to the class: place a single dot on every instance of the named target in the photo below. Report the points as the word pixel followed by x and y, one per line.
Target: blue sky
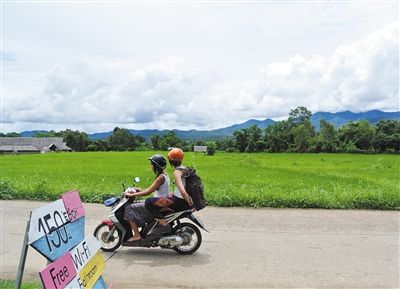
pixel 200 65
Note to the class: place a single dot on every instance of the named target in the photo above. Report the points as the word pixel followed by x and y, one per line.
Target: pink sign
pixel 59 273
pixel 73 205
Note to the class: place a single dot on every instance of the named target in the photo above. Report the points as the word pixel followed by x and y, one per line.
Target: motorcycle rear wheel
pixel 195 238
pixel 111 244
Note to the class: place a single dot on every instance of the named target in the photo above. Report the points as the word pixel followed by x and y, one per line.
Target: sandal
pixel 130 240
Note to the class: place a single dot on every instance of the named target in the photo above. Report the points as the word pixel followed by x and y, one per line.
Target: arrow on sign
pixel 60 240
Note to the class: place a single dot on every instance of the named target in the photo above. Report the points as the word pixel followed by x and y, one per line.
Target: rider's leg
pixel 155 206
pixel 135 231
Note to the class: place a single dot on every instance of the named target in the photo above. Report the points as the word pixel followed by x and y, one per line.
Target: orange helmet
pixel 175 154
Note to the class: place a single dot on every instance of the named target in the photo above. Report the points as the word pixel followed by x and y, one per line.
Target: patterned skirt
pixel 138 213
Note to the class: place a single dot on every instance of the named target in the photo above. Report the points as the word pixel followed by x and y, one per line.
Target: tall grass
pixel 231 179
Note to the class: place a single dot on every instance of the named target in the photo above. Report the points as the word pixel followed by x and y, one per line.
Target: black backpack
pixel 194 187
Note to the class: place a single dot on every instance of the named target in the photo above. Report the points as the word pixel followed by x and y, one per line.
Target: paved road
pixel 247 248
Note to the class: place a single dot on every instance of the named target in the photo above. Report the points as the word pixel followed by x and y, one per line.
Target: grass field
pixel 8 284
pixel 231 179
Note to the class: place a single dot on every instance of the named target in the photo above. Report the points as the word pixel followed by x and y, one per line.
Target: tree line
pixel 121 139
pixel 295 134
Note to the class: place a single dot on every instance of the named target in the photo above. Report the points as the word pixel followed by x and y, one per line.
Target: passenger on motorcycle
pixel 137 214
pixel 180 200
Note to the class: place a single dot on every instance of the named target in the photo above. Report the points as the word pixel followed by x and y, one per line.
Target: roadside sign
pixel 92 271
pixel 47 219
pixel 73 205
pixel 56 230
pixel 56 243
pixel 100 284
pixel 84 251
pixel 89 275
pixel 59 273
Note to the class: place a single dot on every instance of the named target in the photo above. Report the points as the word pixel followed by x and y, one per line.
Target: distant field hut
pixel 19 145
pixel 201 149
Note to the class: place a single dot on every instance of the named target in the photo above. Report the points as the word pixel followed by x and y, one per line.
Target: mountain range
pixel 337 119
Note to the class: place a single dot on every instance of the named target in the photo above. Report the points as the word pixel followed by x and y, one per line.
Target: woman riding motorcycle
pixel 137 214
pixel 180 200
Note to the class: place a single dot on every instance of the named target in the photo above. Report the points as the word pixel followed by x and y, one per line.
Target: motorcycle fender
pixel 198 222
pixel 108 222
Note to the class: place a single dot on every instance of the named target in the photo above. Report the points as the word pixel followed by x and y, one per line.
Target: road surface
pixel 247 248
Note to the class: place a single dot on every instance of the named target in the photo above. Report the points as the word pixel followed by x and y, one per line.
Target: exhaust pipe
pixel 170 241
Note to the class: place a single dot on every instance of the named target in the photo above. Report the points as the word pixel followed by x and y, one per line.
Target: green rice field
pixel 9 284
pixel 231 179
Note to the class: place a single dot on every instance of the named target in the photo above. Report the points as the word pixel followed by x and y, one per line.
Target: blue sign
pixel 54 244
pixel 100 284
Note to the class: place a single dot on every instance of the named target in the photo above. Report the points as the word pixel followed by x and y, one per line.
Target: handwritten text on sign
pixel 56 243
pixel 59 273
pixel 73 205
pixel 57 232
pixel 84 251
pixel 89 275
pixel 49 218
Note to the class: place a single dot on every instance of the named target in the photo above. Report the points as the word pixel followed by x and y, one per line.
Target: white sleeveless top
pixel 163 190
pixel 177 192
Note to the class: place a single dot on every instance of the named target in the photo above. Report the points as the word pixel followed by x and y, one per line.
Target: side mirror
pixel 136 180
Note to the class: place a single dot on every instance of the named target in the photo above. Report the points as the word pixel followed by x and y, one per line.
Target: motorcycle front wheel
pixel 109 237
pixel 192 238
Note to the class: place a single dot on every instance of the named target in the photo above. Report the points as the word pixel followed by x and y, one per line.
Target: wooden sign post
pixel 22 259
pixel 56 231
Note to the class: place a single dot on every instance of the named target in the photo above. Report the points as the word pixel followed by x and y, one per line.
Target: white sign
pixel 89 275
pixel 200 148
pixel 84 251
pixel 47 219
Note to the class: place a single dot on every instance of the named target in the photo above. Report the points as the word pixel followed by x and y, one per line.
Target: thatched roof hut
pixel 32 144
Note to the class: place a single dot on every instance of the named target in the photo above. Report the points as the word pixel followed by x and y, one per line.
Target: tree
pixel 359 134
pixel 211 148
pixel 327 136
pixel 387 136
pixel 98 145
pixel 299 115
pixel 302 136
pixel 170 139
pixel 240 139
pixel 76 140
pixel 122 140
pixel 226 144
pixel 51 133
pixel 10 134
pixel 254 135
pixel 277 136
pixel 155 142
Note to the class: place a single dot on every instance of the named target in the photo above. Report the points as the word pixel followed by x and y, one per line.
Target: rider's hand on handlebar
pixel 129 195
pixel 130 192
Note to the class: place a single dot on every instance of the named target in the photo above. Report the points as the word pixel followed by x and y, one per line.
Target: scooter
pixel 185 238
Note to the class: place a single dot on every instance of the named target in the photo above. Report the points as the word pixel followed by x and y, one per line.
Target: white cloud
pixel 361 76
pixel 160 95
pixel 194 66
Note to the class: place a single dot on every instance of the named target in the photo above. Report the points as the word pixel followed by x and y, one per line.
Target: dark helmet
pixel 158 161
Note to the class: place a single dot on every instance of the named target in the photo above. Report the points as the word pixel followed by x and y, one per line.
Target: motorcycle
pixel 185 238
